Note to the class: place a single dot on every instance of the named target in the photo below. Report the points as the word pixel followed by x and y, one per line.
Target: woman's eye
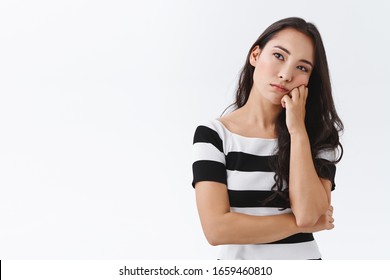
pixel 303 68
pixel 278 56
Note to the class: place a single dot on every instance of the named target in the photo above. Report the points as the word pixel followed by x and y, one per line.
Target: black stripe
pixel 255 199
pixel 205 134
pixel 247 162
pixel 207 170
pixel 296 238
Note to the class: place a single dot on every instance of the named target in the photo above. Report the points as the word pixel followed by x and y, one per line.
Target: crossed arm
pixel 221 226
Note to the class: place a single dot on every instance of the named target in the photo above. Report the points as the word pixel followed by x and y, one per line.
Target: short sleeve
pixel 209 163
pixel 325 165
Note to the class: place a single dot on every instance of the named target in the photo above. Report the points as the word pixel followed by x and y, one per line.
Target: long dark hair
pixel 323 125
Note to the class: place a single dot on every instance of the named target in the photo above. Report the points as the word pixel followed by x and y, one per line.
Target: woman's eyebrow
pixel 288 52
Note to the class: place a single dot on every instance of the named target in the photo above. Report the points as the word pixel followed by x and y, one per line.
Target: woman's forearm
pixel 308 196
pixel 238 228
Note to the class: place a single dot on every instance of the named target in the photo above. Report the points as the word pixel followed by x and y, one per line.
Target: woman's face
pixel 285 62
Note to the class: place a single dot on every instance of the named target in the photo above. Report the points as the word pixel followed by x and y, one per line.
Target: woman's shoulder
pixel 210 132
pixel 221 125
pixel 210 127
pixel 210 123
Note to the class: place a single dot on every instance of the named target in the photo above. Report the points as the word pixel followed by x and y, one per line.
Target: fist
pixel 295 104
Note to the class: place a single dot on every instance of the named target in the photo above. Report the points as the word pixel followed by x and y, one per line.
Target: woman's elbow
pixel 213 241
pixel 215 234
pixel 214 237
pixel 305 221
pixel 309 219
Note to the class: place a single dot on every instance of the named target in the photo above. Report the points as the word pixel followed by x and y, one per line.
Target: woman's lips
pixel 279 88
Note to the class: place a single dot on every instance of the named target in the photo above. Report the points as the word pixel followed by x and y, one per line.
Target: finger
pixel 330 224
pixel 305 93
pixel 286 101
pixel 302 92
pixel 294 93
pixel 302 88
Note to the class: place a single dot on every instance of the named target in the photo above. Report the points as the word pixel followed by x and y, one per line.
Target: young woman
pixel 263 174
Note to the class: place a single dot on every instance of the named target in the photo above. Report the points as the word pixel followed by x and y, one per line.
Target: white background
pixel 99 101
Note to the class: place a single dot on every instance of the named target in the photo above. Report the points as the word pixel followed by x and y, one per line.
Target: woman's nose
pixel 285 75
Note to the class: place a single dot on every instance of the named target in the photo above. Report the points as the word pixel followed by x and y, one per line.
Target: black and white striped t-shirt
pixel 242 163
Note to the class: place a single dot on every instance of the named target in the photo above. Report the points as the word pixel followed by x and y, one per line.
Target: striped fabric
pixel 243 164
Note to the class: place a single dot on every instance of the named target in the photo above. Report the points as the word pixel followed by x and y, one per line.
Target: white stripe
pixel 207 151
pixel 256 180
pixel 295 251
pixel 254 146
pixel 250 145
pixel 260 211
pixel 235 142
pixel 327 154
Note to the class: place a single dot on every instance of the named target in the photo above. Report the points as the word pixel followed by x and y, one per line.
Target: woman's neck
pixel 260 112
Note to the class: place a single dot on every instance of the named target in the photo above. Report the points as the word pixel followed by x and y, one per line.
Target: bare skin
pixel 282 72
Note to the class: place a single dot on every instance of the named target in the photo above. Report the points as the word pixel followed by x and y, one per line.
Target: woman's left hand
pixel 295 103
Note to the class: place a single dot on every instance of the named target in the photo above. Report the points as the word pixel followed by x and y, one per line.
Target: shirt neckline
pixel 245 137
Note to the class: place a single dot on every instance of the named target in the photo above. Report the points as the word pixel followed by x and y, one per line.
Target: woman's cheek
pixel 302 80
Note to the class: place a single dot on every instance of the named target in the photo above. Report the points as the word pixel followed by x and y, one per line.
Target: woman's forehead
pixel 296 42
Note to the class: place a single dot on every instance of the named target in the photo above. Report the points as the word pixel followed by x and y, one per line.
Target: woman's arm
pixel 221 226
pixel 309 195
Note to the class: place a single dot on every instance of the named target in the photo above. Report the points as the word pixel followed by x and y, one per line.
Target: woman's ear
pixel 254 55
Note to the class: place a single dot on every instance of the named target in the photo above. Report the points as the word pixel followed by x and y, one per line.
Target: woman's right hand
pixel 325 222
